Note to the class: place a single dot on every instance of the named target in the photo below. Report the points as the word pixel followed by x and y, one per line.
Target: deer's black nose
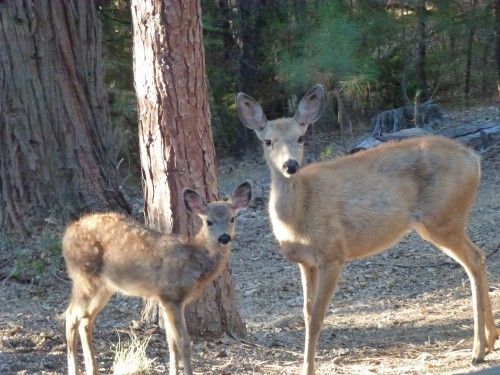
pixel 224 238
pixel 291 166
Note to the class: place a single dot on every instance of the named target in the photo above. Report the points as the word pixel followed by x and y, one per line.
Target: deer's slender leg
pixel 173 352
pixel 327 278
pixel 309 277
pixel 72 322
pixel 86 330
pixel 177 326
pixel 93 305
pixel 455 243
pixel 491 329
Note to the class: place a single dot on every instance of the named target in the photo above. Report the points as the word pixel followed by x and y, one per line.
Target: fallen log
pixel 480 137
pixel 482 140
pixel 403 134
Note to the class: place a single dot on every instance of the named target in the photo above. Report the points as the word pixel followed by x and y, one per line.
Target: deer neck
pixel 282 191
pixel 215 252
pixel 212 259
pixel 282 202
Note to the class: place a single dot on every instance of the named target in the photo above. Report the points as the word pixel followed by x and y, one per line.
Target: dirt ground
pixel 406 311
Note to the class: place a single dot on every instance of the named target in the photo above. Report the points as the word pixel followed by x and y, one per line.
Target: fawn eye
pixel 301 140
pixel 209 223
pixel 268 142
pixel 232 220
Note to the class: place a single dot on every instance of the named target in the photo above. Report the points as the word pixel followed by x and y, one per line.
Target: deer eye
pixel 209 223
pixel 232 220
pixel 301 140
pixel 268 142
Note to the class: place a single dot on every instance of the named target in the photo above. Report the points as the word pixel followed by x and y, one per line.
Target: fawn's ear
pixel 250 112
pixel 193 201
pixel 311 106
pixel 241 196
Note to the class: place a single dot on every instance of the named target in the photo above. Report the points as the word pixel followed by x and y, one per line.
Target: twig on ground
pixel 7 277
pixel 63 279
pixel 7 261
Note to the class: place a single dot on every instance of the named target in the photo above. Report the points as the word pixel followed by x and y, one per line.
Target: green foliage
pixel 329 51
pixel 275 50
pixel 117 44
pixel 356 85
pixel 326 153
pixel 35 259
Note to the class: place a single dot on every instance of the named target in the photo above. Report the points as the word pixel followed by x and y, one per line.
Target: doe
pixel 108 253
pixel 331 212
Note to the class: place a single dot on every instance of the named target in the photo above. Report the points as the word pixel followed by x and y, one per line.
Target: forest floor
pixel 406 311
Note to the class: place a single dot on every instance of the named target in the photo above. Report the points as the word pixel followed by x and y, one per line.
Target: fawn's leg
pixel 453 241
pixel 327 278
pixel 72 322
pixel 93 305
pixel 172 345
pixel 177 326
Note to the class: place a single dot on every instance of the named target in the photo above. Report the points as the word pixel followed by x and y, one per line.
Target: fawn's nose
pixel 291 166
pixel 224 238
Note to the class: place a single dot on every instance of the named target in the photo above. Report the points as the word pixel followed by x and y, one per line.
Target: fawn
pixel 108 253
pixel 331 212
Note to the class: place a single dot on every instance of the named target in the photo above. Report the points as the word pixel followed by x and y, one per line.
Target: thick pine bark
pixel 55 135
pixel 175 137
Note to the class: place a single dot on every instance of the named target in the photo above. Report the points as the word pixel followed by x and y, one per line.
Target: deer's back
pixel 420 175
pixel 119 252
pixel 132 259
pixel 97 239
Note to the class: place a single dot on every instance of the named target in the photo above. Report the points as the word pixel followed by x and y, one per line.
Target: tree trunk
pixel 486 46
pixel 175 137
pixel 56 149
pixel 250 44
pixel 468 62
pixel 468 54
pixel 255 78
pixel 422 49
pixel 497 44
pixel 344 122
pixel 226 21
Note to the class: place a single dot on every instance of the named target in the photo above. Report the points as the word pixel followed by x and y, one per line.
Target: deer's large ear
pixel 311 106
pixel 250 112
pixel 241 196
pixel 193 201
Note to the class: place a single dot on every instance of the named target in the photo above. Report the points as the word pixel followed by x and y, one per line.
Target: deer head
pixel 283 139
pixel 218 217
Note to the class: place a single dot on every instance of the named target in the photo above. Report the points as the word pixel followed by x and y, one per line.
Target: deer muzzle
pixel 224 239
pixel 291 166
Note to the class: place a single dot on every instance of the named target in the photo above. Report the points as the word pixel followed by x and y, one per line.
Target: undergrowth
pixel 132 358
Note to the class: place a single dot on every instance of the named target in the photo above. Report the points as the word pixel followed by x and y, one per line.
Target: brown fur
pixel 108 253
pixel 331 212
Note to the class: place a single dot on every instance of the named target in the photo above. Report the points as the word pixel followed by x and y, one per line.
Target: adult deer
pixel 328 213
pixel 108 253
